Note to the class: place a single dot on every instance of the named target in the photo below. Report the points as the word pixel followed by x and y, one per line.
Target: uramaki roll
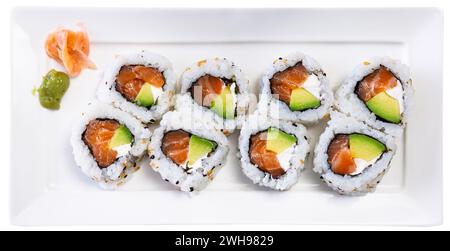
pixel 187 152
pixel 351 157
pixel 379 93
pixel 295 88
pixel 217 90
pixel 142 84
pixel 107 143
pixel 273 153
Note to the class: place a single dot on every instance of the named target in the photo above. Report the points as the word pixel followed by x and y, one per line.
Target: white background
pixel 7 5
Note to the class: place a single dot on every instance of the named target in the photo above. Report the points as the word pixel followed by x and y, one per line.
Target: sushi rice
pixel 107 92
pixel 175 174
pixel 371 176
pixel 277 109
pixel 257 123
pixel 120 171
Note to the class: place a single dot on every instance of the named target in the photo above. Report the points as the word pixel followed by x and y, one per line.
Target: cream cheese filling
pixel 397 93
pixel 156 92
pixel 122 150
pixel 284 158
pixel 233 94
pixel 362 164
pixel 312 85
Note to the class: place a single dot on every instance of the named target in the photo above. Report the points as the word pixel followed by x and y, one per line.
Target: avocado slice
pixel 145 96
pixel 122 136
pixel 278 141
pixel 224 104
pixel 301 100
pixel 198 148
pixel 365 147
pixel 385 107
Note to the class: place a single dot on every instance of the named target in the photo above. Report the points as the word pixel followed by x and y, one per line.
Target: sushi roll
pixel 217 90
pixel 295 88
pixel 107 143
pixel 142 84
pixel 187 152
pixel 378 92
pixel 351 157
pixel 273 153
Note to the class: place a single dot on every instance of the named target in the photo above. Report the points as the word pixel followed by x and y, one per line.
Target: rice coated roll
pixel 107 143
pixel 378 92
pixel 351 157
pixel 187 152
pixel 295 88
pixel 142 84
pixel 273 153
pixel 217 90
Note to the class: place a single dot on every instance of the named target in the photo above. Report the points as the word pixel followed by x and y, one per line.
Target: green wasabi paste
pixel 54 86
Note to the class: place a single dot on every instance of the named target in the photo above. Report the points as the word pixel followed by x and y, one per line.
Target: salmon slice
pixel 282 83
pixel 70 49
pixel 127 84
pixel 97 136
pixel 125 75
pixel 266 160
pixel 339 156
pixel 378 81
pixel 175 145
pixel 149 75
pixel 206 88
pixel 131 78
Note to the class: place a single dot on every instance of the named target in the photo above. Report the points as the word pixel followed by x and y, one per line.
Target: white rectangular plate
pixel 48 188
